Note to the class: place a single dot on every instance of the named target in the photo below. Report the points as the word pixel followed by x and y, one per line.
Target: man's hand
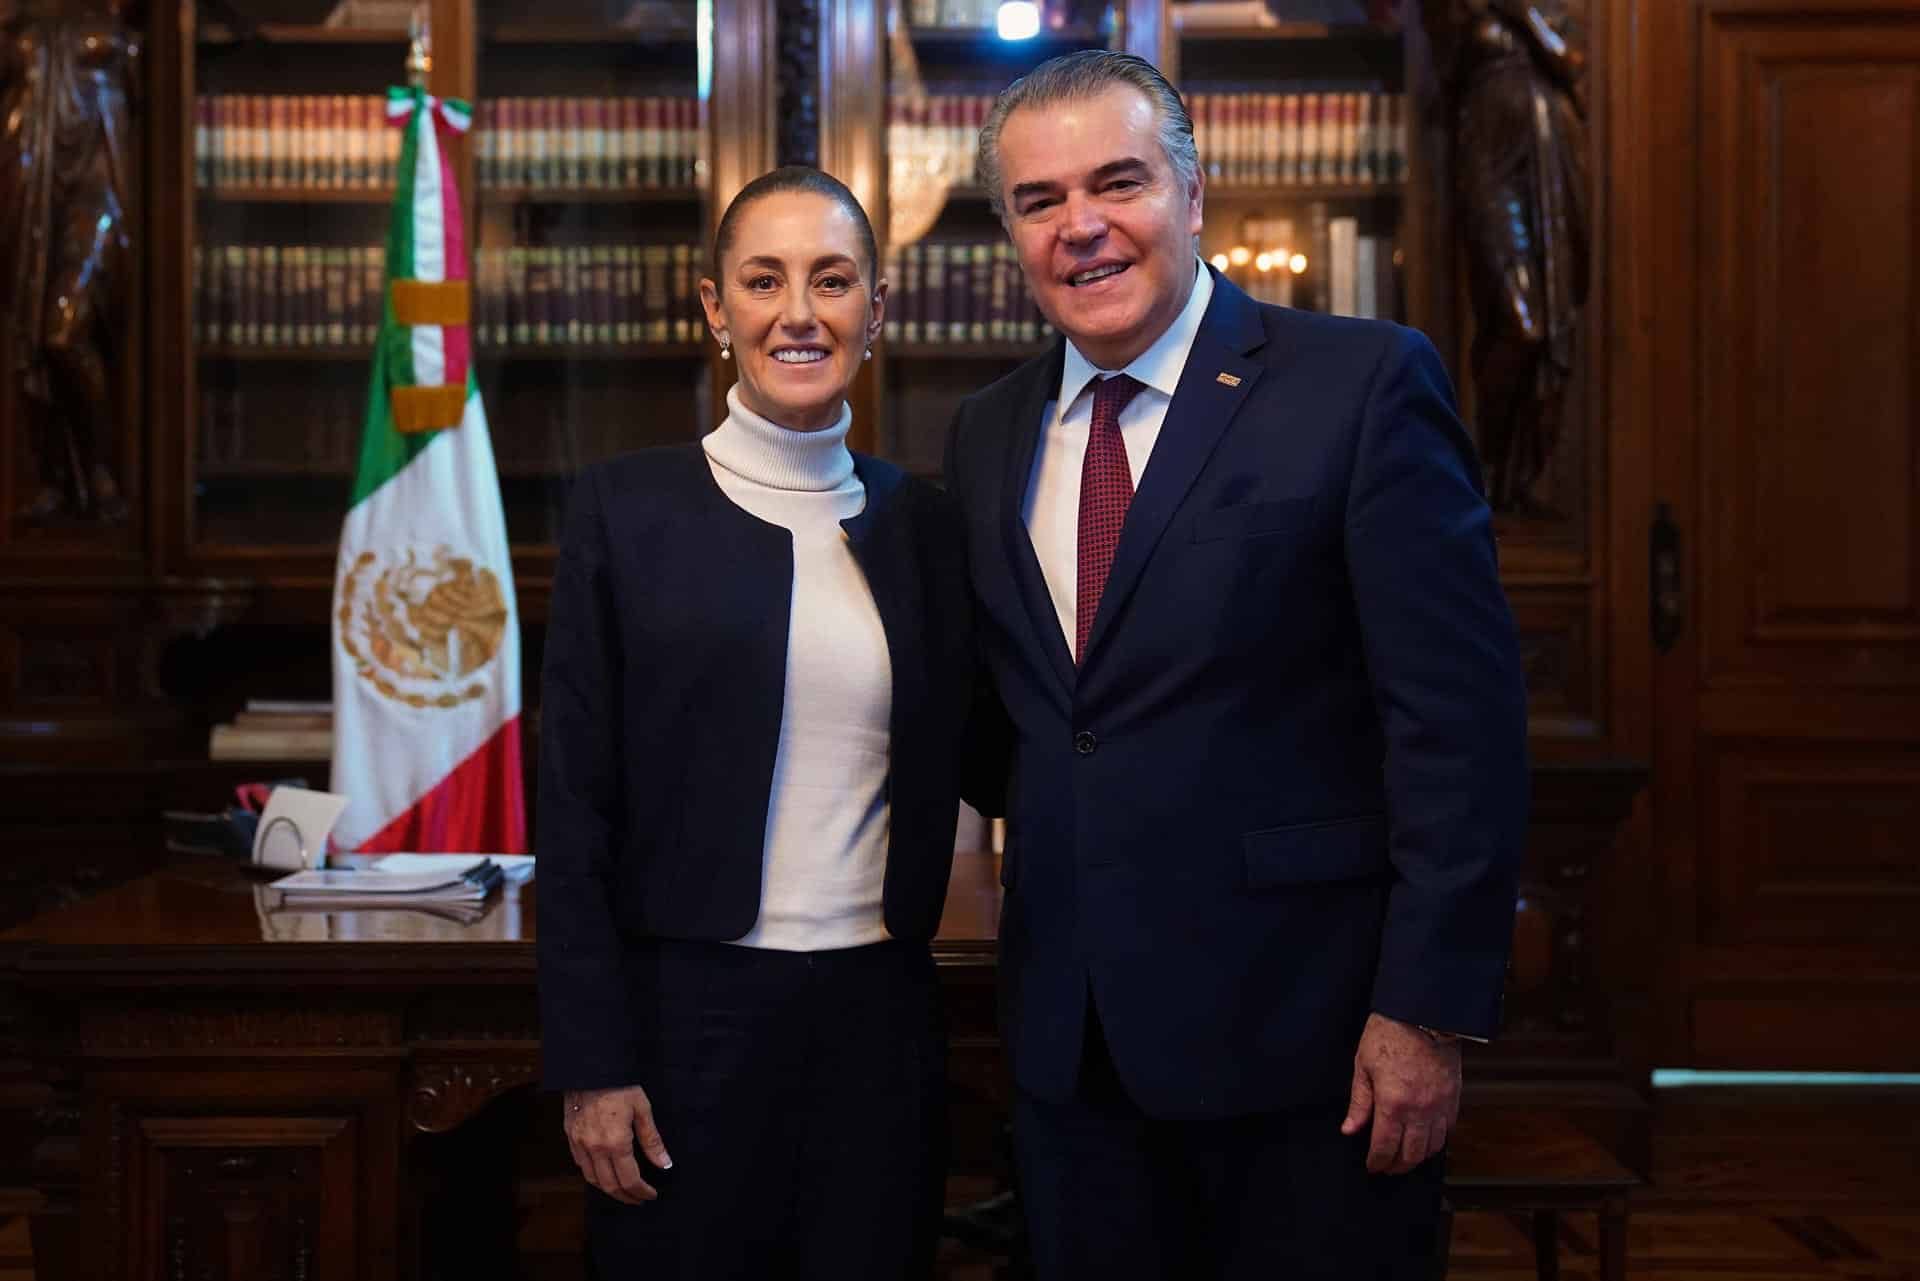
pixel 1411 1088
pixel 602 1126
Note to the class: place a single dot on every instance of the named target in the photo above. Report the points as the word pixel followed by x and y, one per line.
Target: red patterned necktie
pixel 1106 487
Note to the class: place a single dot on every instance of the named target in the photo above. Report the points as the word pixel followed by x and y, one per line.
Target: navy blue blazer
pixel 661 700
pixel 1288 784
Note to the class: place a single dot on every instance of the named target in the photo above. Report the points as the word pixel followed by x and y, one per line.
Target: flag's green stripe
pixel 384 451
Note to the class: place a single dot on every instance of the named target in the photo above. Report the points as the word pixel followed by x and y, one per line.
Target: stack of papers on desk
pixel 457 881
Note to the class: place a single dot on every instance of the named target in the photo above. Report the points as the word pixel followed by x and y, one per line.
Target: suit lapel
pixel 1023 441
pixel 884 550
pixel 1203 405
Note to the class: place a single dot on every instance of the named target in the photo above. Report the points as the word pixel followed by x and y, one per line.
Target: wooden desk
pixel 240 1087
pixel 246 1092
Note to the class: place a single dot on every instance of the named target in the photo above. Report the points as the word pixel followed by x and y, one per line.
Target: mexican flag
pixel 426 639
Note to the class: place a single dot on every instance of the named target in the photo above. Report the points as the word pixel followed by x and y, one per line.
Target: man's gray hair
pixel 1087 74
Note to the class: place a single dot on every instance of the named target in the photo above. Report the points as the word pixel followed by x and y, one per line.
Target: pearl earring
pixel 869 355
pixel 726 351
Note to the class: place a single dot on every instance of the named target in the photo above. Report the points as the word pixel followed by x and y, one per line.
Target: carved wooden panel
pixel 261 1164
pixel 61 667
pixel 1812 842
pixel 1805 1029
pixel 235 1024
pixel 244 1198
pixel 1810 243
pixel 1556 654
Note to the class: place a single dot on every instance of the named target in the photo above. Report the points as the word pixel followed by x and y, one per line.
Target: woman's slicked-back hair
pixel 796 178
pixel 1076 77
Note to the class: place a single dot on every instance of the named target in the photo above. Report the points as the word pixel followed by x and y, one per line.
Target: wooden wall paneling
pixel 853 106
pixel 170 399
pixel 737 109
pixel 1777 374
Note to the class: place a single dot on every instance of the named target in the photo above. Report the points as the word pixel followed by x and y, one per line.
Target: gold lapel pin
pixel 1230 380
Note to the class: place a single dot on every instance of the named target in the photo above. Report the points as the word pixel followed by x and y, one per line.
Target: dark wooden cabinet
pixel 295 1194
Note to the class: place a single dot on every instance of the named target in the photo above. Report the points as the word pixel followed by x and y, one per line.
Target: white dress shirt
pixel 1052 510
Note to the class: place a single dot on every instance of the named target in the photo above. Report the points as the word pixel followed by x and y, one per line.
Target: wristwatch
pixel 1438 1037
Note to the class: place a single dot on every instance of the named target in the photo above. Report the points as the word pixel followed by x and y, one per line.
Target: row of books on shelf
pixel 249 432
pixel 1270 139
pixel 587 143
pixel 342 142
pixel 292 296
pixel 960 292
pixel 287 295
pixel 1279 139
pixel 568 295
pixel 285 140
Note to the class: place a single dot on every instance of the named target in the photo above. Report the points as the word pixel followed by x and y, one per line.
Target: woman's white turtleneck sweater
pixel 825 859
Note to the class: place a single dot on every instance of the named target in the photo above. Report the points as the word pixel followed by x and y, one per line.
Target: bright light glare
pixel 1019 20
pixel 1219 262
pixel 1297 264
pixel 1263 262
pixel 1240 255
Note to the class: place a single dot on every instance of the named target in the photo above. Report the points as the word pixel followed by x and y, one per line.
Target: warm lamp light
pixel 1018 20
pixel 1239 255
pixel 1297 264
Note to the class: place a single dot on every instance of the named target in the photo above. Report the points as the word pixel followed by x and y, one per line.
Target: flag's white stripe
pixel 448 495
pixel 429 246
pixel 429 355
pixel 429 233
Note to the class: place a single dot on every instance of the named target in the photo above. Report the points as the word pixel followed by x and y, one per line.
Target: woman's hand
pixel 602 1127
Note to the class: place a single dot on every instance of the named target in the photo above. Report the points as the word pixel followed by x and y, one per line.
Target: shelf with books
pixel 556 351
pixel 590 157
pixel 271 191
pixel 523 195
pixel 589 33
pixel 293 146
pixel 321 354
pixel 285 33
pixel 968 350
pixel 615 142
pixel 304 195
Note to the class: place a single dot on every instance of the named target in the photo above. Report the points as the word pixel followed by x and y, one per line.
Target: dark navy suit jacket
pixel 1288 783
pixel 662 691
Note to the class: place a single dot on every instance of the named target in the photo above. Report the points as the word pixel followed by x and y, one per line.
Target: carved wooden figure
pixel 1520 189
pixel 67 81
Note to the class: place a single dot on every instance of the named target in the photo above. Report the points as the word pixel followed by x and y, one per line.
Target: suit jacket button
pixel 1084 742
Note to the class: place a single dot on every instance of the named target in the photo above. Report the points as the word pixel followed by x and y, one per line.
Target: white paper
pixel 293 831
pixel 518 868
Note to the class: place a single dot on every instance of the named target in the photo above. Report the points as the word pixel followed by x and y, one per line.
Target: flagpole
pixel 419 47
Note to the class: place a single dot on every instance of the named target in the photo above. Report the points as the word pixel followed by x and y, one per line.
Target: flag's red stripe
pixel 476 809
pixel 454 338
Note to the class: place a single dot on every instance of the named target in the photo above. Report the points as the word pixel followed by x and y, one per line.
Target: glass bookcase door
pixel 292 178
pixel 959 314
pixel 590 178
pixel 1301 120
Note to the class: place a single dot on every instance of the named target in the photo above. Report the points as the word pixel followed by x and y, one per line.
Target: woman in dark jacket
pixel 758 679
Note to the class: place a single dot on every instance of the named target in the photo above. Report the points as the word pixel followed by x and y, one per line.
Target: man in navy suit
pixel 1239 597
